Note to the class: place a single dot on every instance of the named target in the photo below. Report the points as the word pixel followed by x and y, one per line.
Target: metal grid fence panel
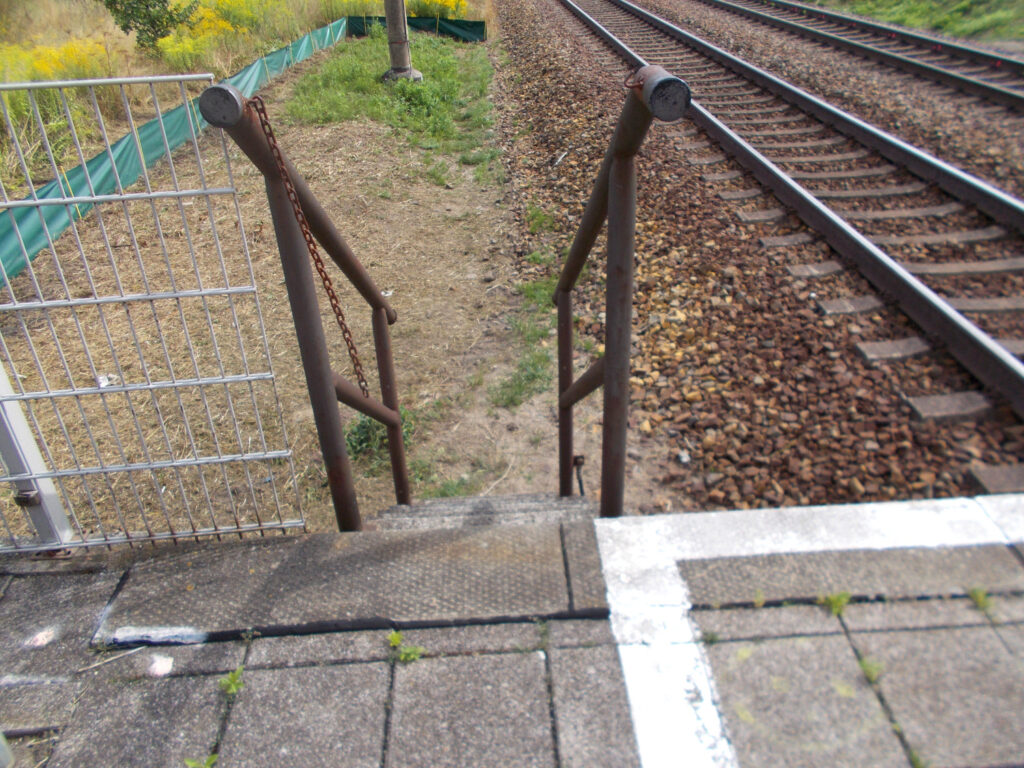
pixel 137 400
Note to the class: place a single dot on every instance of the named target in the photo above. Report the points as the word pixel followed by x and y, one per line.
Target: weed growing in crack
pixel 232 682
pixel 402 653
pixel 981 599
pixel 871 668
pixel 836 602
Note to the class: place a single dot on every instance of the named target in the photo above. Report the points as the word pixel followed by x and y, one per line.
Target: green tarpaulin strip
pixel 468 31
pixel 24 232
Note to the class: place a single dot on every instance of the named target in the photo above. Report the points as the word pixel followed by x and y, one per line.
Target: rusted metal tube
pixel 316 364
pixel 389 394
pixel 589 380
pixel 349 394
pixel 656 94
pixel 565 457
pixel 225 107
pixel 618 332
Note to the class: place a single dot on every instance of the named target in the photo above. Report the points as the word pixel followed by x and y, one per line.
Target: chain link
pixel 314 252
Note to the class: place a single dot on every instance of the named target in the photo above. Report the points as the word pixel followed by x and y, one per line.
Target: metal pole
pixel 564 301
pixel 398 43
pixel 389 396
pixel 618 332
pixel 313 349
pixel 21 456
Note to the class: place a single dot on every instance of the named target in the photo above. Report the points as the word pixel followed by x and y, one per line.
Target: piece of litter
pixel 160 665
pixel 42 638
pixel 385 294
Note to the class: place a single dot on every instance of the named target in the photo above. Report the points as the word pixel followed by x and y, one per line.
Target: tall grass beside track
pixel 972 19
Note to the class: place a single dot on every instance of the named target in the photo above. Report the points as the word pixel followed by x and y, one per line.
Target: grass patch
pixel 978 19
pixel 538 220
pixel 533 325
pixel 448 111
pixel 531 376
pixel 366 440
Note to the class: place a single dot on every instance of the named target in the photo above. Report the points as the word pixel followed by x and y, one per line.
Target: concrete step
pixel 467 511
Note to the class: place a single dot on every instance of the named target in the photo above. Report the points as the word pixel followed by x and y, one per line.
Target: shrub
pixel 149 19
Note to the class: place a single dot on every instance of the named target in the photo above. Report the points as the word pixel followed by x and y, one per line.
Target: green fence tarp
pixel 468 31
pixel 24 232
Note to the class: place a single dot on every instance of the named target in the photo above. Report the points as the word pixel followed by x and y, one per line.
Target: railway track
pixel 995 77
pixel 943 246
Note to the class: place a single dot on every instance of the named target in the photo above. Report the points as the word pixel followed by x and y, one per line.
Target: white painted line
pixel 676 717
pixel 671 694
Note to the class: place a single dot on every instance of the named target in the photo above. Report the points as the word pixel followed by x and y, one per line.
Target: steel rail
pixel 979 353
pixel 996 93
pixel 999 205
pixel 901 33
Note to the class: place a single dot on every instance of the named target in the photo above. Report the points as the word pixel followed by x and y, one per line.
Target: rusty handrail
pixel 653 93
pixel 225 107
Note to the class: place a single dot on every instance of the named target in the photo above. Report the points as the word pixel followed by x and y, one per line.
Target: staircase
pixel 468 511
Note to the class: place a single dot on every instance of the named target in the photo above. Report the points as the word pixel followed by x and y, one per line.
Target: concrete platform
pixel 871 635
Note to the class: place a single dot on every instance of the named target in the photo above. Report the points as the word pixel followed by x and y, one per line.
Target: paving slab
pixel 756 623
pixel 316 717
pixel 31 707
pixel 148 724
pixel 327 648
pixel 486 638
pixel 799 702
pixel 579 633
pixel 893 573
pixel 46 622
pixel 343 581
pixel 1007 608
pixel 957 694
pixel 461 711
pixel 1013 638
pixel 32 751
pixel 586 583
pixel 913 614
pixel 592 715
pixel 166 660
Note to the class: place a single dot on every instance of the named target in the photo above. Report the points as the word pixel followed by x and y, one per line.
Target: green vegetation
pixel 209 762
pixel 981 19
pixel 538 220
pixel 980 599
pixel 533 325
pixel 835 603
pixel 872 669
pixel 232 682
pixel 366 440
pixel 448 111
pixel 149 19
pixel 400 652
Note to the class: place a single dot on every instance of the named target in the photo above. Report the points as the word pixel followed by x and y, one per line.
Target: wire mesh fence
pixel 137 397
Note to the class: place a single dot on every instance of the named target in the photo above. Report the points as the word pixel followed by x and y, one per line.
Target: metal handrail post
pixel 316 364
pixel 565 454
pixel 618 332
pixel 653 94
pixel 389 396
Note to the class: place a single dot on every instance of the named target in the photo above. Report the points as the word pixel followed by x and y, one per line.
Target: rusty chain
pixel 314 252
